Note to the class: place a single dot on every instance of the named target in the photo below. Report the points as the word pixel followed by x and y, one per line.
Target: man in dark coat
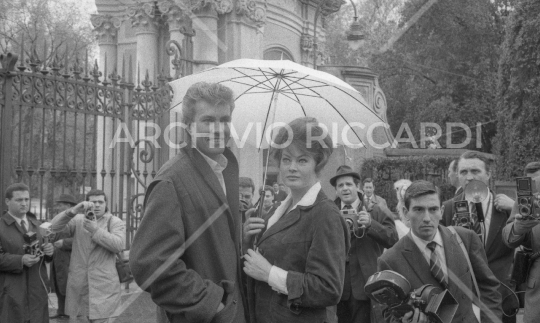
pixel 366 246
pixel 186 252
pixel 430 254
pixel 279 195
pixel 23 277
pixel 475 165
pixel 61 258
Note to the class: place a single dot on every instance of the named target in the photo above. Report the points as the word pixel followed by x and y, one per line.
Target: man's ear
pixel 442 209
pixel 405 212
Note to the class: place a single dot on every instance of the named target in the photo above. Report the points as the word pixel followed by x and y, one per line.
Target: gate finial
pixel 8 62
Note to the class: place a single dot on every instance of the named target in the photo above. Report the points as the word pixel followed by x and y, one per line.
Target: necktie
pixel 347 207
pixel 24 227
pixel 435 265
pixel 474 219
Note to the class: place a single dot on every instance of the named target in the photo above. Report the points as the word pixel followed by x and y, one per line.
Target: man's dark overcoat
pixel 188 243
pixel 23 297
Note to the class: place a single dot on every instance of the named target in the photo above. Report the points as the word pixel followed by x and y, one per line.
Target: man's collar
pixel 19 219
pixel 219 164
pixel 354 204
pixel 421 243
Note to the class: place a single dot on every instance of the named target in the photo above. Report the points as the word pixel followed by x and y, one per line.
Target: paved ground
pixel 139 308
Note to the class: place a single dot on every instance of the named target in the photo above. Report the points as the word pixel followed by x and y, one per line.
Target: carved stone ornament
pixel 105 27
pixel 223 6
pixel 143 17
pixel 306 42
pixel 177 16
pixel 254 10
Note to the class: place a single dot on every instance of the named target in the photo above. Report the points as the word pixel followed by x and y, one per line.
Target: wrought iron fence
pixel 58 123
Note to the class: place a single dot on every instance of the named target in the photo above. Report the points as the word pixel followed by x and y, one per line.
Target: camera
pixel 528 202
pixel 394 290
pixel 462 217
pixel 31 244
pixel 351 218
pixel 89 214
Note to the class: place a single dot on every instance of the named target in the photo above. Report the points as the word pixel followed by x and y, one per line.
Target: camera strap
pixel 471 269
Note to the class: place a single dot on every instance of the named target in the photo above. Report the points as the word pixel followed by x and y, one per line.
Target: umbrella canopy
pixel 270 94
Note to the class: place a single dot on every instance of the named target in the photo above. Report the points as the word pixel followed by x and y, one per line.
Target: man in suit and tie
pixel 370 198
pixel 279 195
pixel 367 244
pixel 477 166
pixel 430 254
pixel 524 231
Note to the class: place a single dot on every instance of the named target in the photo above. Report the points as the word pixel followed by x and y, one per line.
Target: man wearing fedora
pixel 376 231
pixel 61 257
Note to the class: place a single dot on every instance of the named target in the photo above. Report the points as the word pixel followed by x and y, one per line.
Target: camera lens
pixel 523 210
pixel 464 220
pixel 524 201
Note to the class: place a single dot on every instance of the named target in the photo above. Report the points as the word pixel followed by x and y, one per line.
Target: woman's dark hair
pixel 320 145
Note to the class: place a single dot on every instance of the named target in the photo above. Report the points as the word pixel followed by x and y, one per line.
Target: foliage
pixel 442 69
pixel 517 141
pixel 385 171
pixel 379 20
pixel 46 28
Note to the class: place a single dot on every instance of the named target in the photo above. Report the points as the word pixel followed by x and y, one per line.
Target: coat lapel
pixel 452 253
pixel 283 223
pixel 9 220
pixel 498 221
pixel 417 262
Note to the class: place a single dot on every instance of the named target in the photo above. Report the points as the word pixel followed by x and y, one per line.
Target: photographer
pixel 524 231
pixel 376 232
pixel 247 190
pixel 23 277
pixel 93 289
pixel 429 254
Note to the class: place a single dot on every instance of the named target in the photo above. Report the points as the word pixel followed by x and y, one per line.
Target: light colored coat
pixel 93 287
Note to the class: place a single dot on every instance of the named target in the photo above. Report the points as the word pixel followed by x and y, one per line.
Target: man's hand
pixel 90 226
pixel 414 317
pixel 256 266
pixel 503 202
pixel 59 243
pixel 29 260
pixel 81 207
pixel 523 225
pixel 252 226
pixel 48 249
pixel 364 219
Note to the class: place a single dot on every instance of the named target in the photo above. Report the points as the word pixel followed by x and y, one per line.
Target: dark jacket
pixel 405 258
pixel 60 264
pixel 365 251
pixel 310 242
pixel 529 240
pixel 190 234
pixel 500 257
pixel 23 297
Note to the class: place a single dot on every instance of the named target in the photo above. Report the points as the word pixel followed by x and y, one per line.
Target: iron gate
pixel 58 125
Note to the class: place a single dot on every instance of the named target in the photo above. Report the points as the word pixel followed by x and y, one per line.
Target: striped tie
pixel 475 223
pixel 435 265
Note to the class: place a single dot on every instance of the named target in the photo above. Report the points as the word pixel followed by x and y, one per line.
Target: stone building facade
pixel 181 37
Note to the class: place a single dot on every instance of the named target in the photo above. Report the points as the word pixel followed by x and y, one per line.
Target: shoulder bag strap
pixel 466 254
pixel 119 255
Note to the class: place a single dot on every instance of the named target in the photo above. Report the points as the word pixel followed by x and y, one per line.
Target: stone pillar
pixel 145 22
pixel 205 26
pixel 106 29
pixel 245 28
pixel 179 24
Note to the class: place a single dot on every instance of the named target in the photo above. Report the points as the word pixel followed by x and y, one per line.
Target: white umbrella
pixel 269 92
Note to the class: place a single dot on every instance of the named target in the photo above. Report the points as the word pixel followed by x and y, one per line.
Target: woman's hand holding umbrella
pixel 252 226
pixel 256 266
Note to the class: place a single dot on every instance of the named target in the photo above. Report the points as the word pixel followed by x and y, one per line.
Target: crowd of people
pixel 207 253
